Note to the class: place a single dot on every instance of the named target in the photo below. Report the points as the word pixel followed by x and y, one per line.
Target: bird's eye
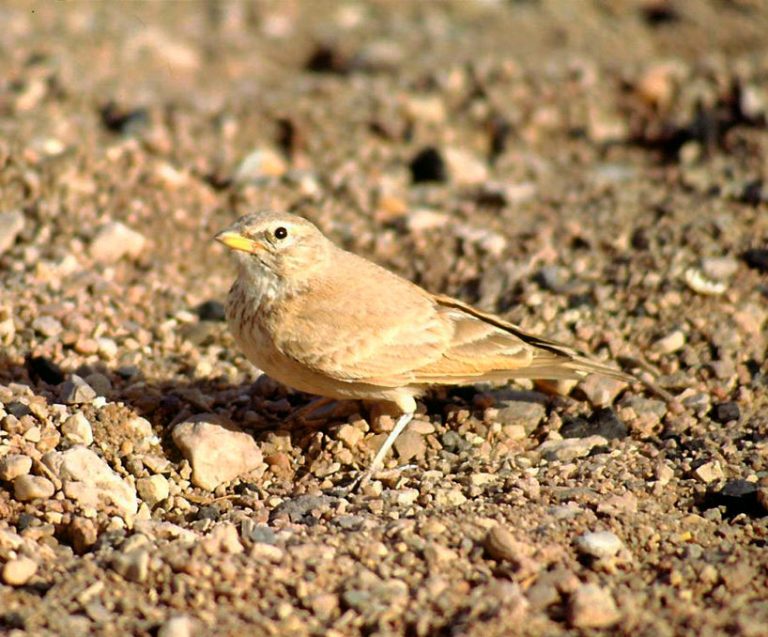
pixel 280 233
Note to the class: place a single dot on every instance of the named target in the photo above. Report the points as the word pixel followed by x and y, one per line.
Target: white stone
pixel 217 450
pixel 14 465
pixel 670 343
pixel 90 481
pixel 153 489
pixel 19 571
pixel 114 241
pixel 28 487
pixel 179 626
pixel 709 472
pixel 464 168
pixel 77 429
pixel 259 165
pixel 599 544
pixel 592 607
pixel 47 326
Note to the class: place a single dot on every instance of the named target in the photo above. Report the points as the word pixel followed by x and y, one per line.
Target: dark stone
pixel 127 371
pixel 43 369
pixel 580 299
pixel 553 278
pixel 738 489
pixel 659 13
pixel 453 442
pixel 26 520
pixel 756 258
pixel 608 425
pixel 328 59
pixel 121 120
pixel 736 497
pixel 18 409
pixel 576 427
pixel 349 522
pixel 428 165
pixel 259 533
pixel 109 540
pixel 603 422
pixel 754 193
pixel 726 412
pixel 640 240
pixel 202 333
pixel 300 509
pixel 499 130
pixel 12 620
pixel 212 311
pixel 209 512
pixel 245 488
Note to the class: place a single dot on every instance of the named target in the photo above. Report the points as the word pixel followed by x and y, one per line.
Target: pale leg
pixel 401 424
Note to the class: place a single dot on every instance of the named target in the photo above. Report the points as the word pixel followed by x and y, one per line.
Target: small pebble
pixel 29 487
pixel 591 606
pixel 719 268
pixel 464 168
pixel 14 465
pixel 217 450
pixel 428 165
pixel 601 391
pixel 410 445
pixel 18 571
pixel 260 165
pixel 726 412
pixel 570 448
pixel 77 429
pixel 132 565
pixel 153 489
pixel 528 414
pixel 179 626
pixel 599 544
pixel 670 343
pixel 11 225
pixel 502 545
pixel 76 391
pixel 709 472
pixel 114 241
pixel 47 326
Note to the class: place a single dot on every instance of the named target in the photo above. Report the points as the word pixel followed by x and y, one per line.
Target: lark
pixel 328 322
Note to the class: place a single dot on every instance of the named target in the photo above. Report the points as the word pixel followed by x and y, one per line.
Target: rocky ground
pixel 595 171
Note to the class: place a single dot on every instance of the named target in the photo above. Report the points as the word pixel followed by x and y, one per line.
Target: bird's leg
pixel 378 459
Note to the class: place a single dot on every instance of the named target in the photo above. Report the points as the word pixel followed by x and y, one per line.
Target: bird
pixel 323 320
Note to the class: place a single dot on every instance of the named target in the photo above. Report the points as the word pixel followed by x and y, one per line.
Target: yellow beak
pixel 236 241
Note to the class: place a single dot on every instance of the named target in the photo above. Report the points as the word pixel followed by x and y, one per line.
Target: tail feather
pixel 552 360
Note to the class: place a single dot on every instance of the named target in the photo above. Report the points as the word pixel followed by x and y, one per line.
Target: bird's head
pixel 287 246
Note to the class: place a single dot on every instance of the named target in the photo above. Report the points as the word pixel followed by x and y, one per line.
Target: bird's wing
pixel 373 327
pixel 362 323
pixel 485 347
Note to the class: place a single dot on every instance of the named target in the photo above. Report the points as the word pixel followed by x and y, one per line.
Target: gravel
pixel 589 191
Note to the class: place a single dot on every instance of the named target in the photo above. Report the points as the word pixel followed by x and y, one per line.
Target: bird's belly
pixel 259 349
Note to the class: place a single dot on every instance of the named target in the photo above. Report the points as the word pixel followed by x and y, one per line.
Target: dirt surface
pixel 595 171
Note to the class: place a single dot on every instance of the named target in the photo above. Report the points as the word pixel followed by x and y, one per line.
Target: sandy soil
pixel 595 171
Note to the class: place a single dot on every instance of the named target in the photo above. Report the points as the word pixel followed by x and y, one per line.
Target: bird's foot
pixel 364 477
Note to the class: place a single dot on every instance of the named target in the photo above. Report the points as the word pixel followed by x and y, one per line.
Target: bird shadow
pixel 263 407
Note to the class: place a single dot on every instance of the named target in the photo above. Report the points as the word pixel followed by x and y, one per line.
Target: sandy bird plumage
pixel 326 321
